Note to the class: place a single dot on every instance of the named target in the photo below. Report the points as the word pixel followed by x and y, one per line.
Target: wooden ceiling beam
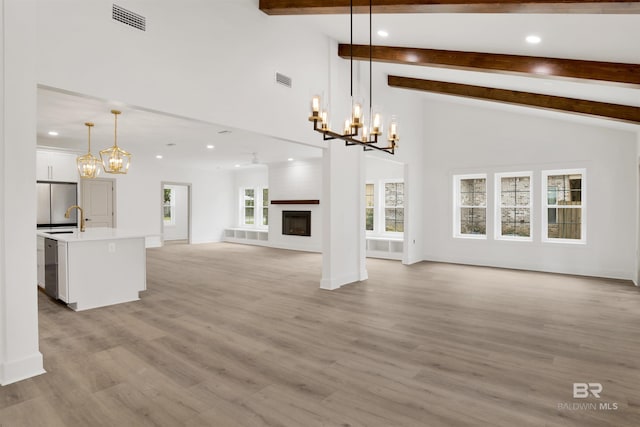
pixel 319 7
pixel 499 63
pixel 624 113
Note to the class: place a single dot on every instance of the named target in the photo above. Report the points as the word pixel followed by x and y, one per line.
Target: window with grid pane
pixel 514 198
pixel 470 214
pixel 564 206
pixel 394 207
pixel 265 206
pixel 369 195
pixel 249 206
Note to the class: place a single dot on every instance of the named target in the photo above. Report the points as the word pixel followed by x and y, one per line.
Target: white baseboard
pixel 333 283
pixel 18 370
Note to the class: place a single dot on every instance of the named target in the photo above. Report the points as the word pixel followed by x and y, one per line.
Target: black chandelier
pixel 351 135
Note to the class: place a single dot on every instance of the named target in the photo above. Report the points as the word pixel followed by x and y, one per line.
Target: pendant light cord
pixel 115 131
pixel 351 48
pixel 370 59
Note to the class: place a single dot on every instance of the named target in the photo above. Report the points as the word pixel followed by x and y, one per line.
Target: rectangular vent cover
pixel 283 80
pixel 132 19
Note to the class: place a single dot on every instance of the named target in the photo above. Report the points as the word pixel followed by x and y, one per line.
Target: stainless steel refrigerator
pixel 54 198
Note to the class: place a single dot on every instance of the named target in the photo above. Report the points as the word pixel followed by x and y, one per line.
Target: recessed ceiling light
pixel 159 156
pixel 383 33
pixel 290 159
pixel 237 166
pixel 53 133
pixel 171 144
pixel 211 147
pixel 533 39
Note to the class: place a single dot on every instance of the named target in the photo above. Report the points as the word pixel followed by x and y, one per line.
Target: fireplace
pixel 296 223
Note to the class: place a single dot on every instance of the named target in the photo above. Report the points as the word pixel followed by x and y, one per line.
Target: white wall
pixel 139 199
pixel 296 180
pixel 179 230
pixel 19 354
pixel 462 138
pixel 379 168
pixel 209 60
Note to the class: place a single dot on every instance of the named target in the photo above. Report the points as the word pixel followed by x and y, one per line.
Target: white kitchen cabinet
pixel 54 166
pixel 63 272
pixel 40 246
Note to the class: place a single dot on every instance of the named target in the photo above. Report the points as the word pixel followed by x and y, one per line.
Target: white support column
pixel 20 357
pixel 343 238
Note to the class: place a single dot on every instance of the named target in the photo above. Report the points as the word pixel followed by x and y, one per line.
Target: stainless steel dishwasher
pixel 51 267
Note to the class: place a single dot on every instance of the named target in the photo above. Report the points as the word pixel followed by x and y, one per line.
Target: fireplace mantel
pixel 295 202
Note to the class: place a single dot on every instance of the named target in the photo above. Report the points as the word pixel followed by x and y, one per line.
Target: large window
pixel 470 206
pixel 564 213
pixel 369 196
pixel 394 207
pixel 254 207
pixel 513 206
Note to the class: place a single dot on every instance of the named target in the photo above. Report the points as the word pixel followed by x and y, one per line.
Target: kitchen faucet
pixel 68 214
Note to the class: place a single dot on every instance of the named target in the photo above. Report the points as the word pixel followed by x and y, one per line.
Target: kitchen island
pixel 95 268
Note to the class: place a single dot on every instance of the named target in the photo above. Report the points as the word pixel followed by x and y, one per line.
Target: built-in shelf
pixel 385 247
pixel 295 202
pixel 247 236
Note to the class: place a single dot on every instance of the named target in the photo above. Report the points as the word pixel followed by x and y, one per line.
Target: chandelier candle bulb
pixel 393 131
pixel 325 120
pixel 315 108
pixel 357 115
pixel 376 129
pixel 347 127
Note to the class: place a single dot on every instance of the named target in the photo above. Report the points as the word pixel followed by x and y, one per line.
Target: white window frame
pixel 382 207
pixel 379 226
pixel 374 207
pixel 583 206
pixel 457 206
pixel 498 206
pixel 257 208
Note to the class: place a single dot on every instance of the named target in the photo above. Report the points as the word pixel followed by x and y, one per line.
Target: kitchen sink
pixel 59 232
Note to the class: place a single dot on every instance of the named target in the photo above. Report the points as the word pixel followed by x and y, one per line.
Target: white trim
pixel 498 206
pixel 456 206
pixel 583 205
pixel 18 370
pixel 258 217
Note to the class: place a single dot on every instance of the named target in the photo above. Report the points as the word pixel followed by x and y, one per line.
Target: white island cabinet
pixel 99 267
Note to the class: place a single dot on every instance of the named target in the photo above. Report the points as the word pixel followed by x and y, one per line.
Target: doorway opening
pixel 176 213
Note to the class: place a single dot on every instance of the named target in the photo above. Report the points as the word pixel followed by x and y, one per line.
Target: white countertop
pixel 98 233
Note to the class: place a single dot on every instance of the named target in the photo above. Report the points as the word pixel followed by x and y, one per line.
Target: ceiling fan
pixel 253 162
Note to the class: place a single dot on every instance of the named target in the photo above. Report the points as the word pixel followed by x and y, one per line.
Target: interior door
pixel 97 200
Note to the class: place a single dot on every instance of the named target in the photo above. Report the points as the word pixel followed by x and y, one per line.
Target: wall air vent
pixel 283 80
pixel 132 19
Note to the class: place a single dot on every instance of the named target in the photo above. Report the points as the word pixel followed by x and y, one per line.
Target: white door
pixel 97 201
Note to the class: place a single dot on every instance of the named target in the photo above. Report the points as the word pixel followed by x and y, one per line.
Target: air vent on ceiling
pixel 283 80
pixel 132 19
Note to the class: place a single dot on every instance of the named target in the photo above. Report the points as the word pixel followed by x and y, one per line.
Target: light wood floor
pixel 233 335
